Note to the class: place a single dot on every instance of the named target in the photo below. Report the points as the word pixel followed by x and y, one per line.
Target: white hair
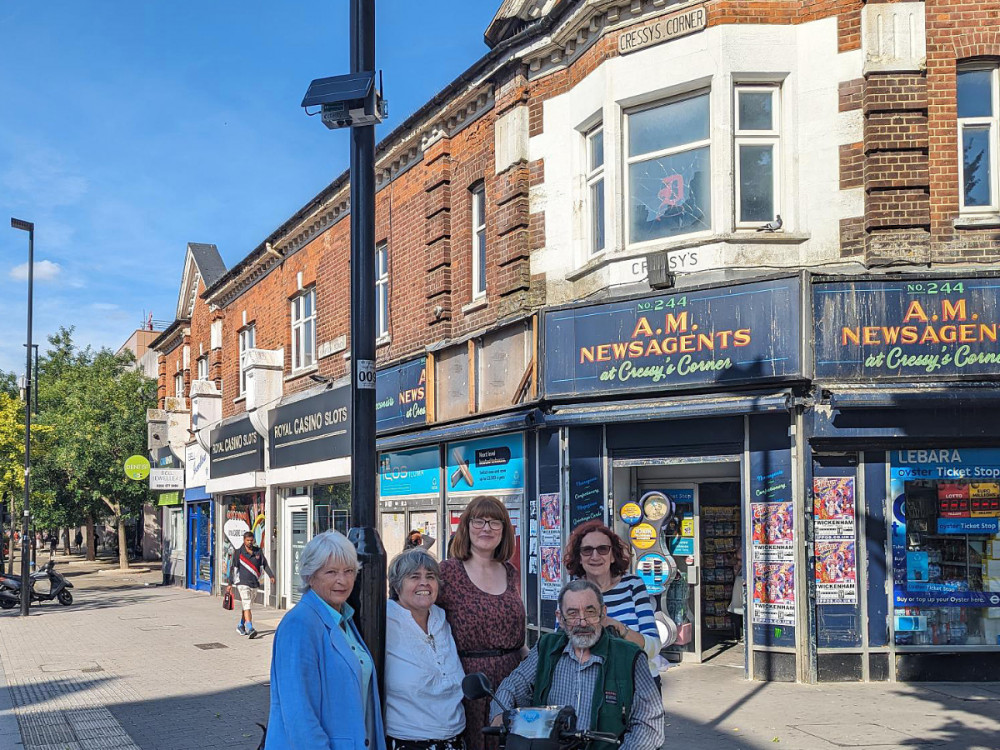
pixel 330 546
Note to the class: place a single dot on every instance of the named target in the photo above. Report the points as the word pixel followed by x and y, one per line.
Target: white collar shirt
pixel 423 677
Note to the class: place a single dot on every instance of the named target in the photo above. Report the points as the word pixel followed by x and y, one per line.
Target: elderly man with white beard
pixel 605 678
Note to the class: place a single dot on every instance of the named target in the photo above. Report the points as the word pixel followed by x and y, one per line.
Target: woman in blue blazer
pixel 324 692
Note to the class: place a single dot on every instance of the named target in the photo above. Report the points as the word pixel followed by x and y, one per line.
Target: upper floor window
pixel 203 367
pixel 977 138
pixel 382 289
pixel 304 330
pixel 248 340
pixel 669 169
pixel 478 241
pixel 756 133
pixel 595 187
pixel 179 385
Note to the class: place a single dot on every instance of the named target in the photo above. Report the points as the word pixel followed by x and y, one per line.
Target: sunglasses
pixel 601 549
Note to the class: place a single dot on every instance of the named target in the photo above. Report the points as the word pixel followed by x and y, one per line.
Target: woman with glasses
pixel 597 554
pixel 480 594
pixel 324 691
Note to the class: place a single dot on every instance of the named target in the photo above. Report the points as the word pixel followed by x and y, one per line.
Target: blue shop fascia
pixel 827 442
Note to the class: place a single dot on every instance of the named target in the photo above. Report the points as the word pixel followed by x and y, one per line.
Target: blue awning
pixel 719 405
pixel 194 494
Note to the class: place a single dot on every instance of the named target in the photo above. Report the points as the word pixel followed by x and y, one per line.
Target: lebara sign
pixel 728 335
pixel 925 328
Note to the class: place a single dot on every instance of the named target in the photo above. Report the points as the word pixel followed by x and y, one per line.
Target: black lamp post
pixel 352 101
pixel 28 227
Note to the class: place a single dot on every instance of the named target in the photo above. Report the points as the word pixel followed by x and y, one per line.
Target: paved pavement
pixel 134 665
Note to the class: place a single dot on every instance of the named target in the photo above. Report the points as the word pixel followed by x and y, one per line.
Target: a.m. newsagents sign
pixel 872 330
pixel 738 334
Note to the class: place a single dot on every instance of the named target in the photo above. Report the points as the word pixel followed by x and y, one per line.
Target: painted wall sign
pixel 236 449
pixel 416 472
pixel 401 395
pixel 736 334
pixel 869 330
pixel 477 467
pixel 312 429
pixel 662 30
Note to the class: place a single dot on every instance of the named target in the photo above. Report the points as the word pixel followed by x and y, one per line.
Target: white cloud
pixel 45 270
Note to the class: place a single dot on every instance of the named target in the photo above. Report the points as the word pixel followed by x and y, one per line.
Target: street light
pixel 352 101
pixel 29 227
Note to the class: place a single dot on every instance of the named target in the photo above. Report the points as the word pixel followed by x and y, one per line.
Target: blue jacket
pixel 316 698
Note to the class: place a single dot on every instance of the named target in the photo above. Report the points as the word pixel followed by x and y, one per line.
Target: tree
pixel 92 416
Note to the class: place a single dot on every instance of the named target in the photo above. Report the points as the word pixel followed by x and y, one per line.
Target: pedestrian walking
pixel 481 598
pixel 248 565
pixel 53 543
pixel 324 690
pixel 423 674
pixel 79 541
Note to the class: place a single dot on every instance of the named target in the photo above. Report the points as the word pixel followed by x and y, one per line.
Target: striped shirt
pixel 629 603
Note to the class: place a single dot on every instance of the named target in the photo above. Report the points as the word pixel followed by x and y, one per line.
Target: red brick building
pixel 773 177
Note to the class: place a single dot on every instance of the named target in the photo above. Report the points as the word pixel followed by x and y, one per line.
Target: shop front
pixel 236 482
pixel 906 478
pixel 673 418
pixel 309 475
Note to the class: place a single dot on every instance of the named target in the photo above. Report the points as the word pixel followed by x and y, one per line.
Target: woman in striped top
pixel 598 554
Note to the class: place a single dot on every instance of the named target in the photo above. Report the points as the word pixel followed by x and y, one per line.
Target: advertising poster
pixel 772 532
pixel 774 593
pixel 551 572
pixel 487 466
pixel 833 507
pixel 409 473
pixel 836 572
pixel 551 532
pixel 242 517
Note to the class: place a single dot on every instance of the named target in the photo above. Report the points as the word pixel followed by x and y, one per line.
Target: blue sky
pixel 128 129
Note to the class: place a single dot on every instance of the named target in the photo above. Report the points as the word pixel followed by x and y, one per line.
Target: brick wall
pixel 957 31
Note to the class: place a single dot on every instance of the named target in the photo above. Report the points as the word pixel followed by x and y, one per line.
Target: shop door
pixel 297 523
pixel 199 553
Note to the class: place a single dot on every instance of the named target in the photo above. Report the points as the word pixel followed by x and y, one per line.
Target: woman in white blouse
pixel 423 675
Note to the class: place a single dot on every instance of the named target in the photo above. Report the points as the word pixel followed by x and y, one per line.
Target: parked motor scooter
pixel 534 727
pixel 10 585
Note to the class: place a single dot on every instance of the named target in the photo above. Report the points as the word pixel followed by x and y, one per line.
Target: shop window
pixel 331 507
pixel 669 168
pixel 478 241
pixel 248 340
pixel 382 290
pixel 756 148
pixel 946 547
pixel 304 330
pixel 977 138
pixel 595 188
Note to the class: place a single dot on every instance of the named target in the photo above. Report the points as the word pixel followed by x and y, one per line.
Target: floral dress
pixel 489 632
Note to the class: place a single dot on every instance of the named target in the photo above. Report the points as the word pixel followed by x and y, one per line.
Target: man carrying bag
pixel 245 572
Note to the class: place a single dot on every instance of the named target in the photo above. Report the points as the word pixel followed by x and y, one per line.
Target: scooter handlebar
pixel 588 736
pixel 493 731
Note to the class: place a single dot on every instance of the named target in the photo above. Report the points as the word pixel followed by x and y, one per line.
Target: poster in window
pixel 551 572
pixel 836 572
pixel 774 593
pixel 551 535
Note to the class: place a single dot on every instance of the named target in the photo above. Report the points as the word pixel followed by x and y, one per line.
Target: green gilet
pixel 613 690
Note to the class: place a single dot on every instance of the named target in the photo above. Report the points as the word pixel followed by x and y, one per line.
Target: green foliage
pixel 92 416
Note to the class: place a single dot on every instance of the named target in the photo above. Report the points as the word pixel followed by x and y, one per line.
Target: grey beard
pixel 584 640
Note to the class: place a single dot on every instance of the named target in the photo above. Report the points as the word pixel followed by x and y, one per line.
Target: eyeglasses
pixel 588 615
pixel 601 549
pixel 482 523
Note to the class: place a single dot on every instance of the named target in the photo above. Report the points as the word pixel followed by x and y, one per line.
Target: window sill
pixel 383 341
pixel 240 399
pixel 296 374
pixel 476 304
pixel 742 237
pixel 977 221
